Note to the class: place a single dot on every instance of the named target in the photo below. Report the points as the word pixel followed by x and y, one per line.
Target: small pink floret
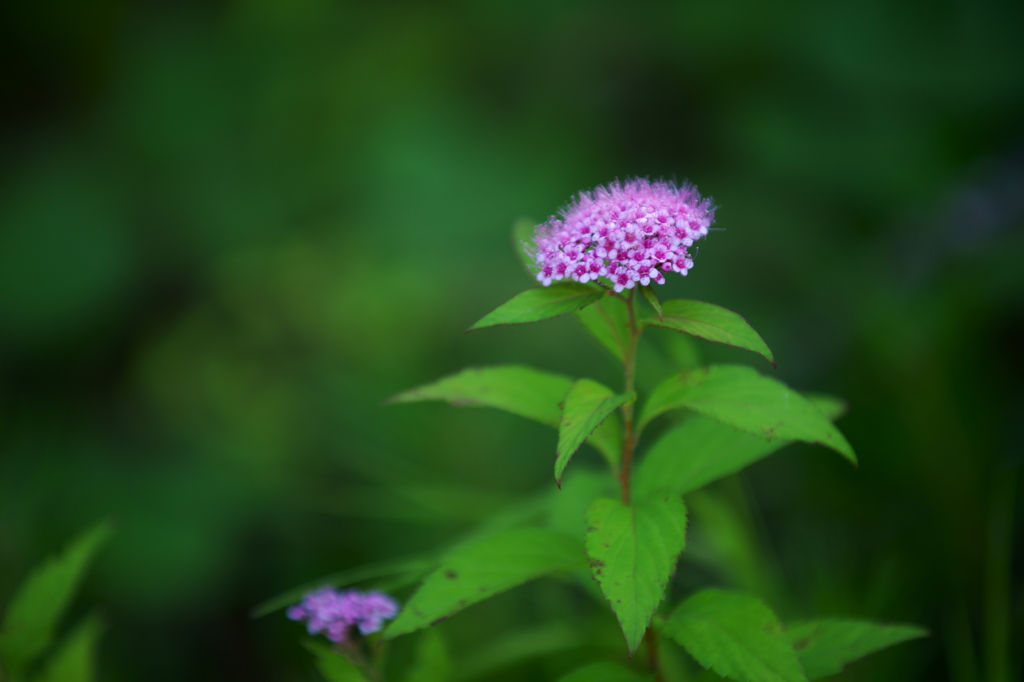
pixel 650 224
pixel 333 613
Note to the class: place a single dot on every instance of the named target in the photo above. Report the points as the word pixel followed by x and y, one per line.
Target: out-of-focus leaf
pixel 516 647
pixel 740 397
pixel 524 391
pixel 608 321
pixel 75 660
pixel 567 512
pixel 825 647
pixel 541 303
pixel 472 573
pixel 633 551
pixel 332 665
pixel 710 322
pixel 351 576
pixel 602 672
pixel 651 296
pixel 523 243
pixel 37 606
pixel 586 406
pixel 431 663
pixel 735 635
pixel 695 453
pixel 607 439
pixel 833 407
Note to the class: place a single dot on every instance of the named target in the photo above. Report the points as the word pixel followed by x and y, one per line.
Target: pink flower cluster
pixel 331 612
pixel 626 232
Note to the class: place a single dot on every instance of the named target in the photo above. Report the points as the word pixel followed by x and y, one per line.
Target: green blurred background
pixel 229 230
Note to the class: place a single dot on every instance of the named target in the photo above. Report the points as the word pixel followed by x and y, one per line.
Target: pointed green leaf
pixel 701 450
pixel 431 663
pixel 608 322
pixel 524 391
pixel 735 635
pixel 75 660
pixel 523 243
pixel 541 303
pixel 472 573
pixel 651 297
pixel 710 322
pixel 607 439
pixel 695 453
pixel 602 672
pixel 633 552
pixel 586 406
pixel 742 398
pixel 825 647
pixel 332 665
pixel 36 608
pixel 567 510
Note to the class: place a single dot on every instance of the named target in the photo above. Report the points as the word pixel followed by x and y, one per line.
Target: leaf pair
pixel 740 638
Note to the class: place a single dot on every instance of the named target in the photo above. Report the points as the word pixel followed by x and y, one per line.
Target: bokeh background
pixel 230 230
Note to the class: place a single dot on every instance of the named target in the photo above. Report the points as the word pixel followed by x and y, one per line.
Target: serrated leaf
pixel 541 303
pixel 651 296
pixel 37 606
pixel 587 405
pixel 472 573
pixel 75 660
pixel 332 665
pixel 431 663
pixel 712 323
pixel 742 398
pixel 608 322
pixel 735 635
pixel 633 552
pixel 602 672
pixel 521 390
pixel 825 647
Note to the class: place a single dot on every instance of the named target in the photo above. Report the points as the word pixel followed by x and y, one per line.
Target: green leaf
pixel 695 453
pixel 472 573
pixel 710 322
pixel 567 510
pixel 75 660
pixel 735 635
pixel 608 322
pixel 831 406
pixel 587 405
pixel 541 303
pixel 826 646
pixel 740 397
pixel 524 244
pixel 431 663
pixel 633 552
pixel 651 297
pixel 332 665
pixel 351 576
pixel 602 672
pixel 524 391
pixel 37 606
pixel 519 646
pixel 607 439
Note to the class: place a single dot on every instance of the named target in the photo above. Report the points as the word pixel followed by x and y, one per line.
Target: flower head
pixel 626 232
pixel 331 612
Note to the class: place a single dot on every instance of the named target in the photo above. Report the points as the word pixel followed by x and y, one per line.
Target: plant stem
pixel 651 637
pixel 629 367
